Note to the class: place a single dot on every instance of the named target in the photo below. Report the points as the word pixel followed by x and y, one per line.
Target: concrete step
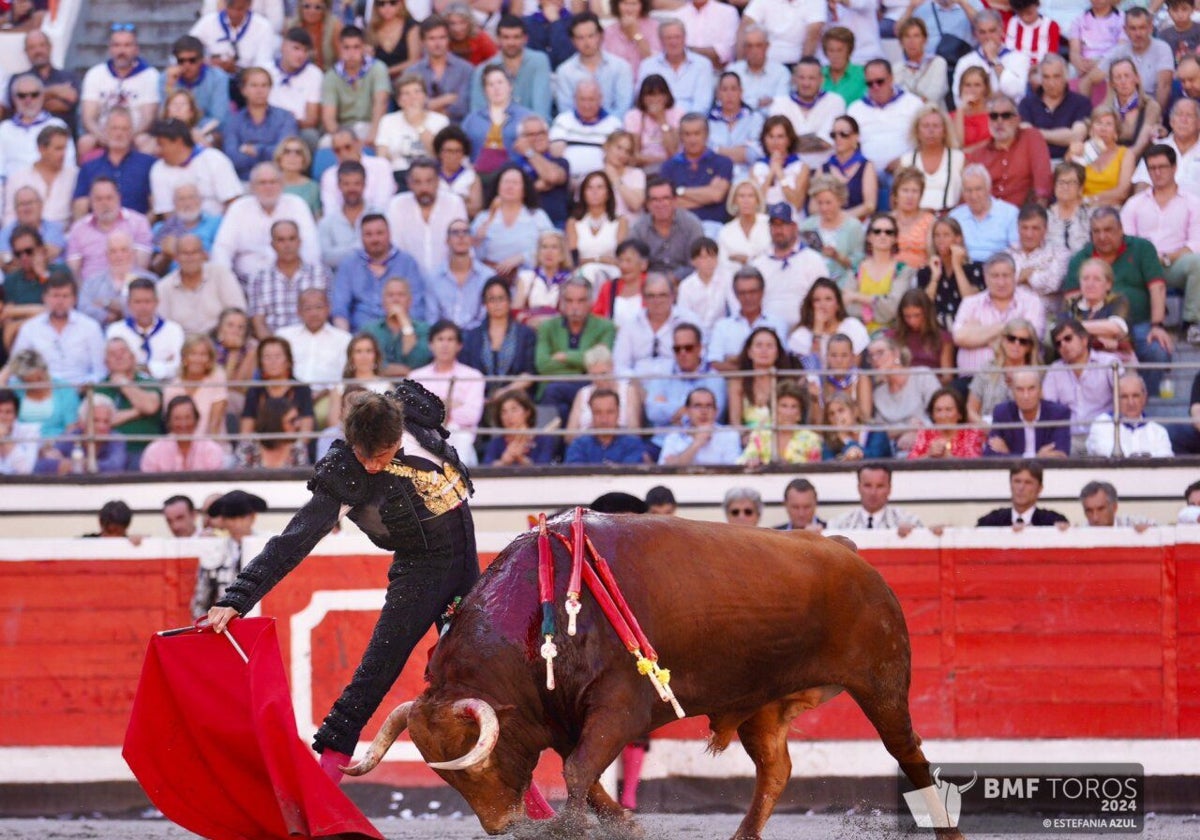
pixel 159 23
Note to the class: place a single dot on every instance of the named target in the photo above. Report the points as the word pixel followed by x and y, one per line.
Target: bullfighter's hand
pixel 219 617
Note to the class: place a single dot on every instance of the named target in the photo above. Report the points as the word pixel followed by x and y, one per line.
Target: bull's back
pixel 740 614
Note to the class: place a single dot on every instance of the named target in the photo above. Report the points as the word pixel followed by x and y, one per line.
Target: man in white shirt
pixel 1008 70
pixel 318 347
pixel 1099 500
pixel 156 342
pixel 1170 219
pixel 296 83
pixel 71 343
pixel 420 218
pixel 644 343
pixel 579 135
pixel 789 269
pixel 793 26
pixel 811 111
pixel 874 512
pixel 236 38
pixel 380 184
pixel 1139 437
pixel 18 135
pixel 884 116
pixel 243 241
pixel 125 79
pixel 1185 140
pixel 180 160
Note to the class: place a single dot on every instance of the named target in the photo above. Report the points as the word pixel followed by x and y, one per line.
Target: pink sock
pixel 331 762
pixel 536 806
pixel 631 772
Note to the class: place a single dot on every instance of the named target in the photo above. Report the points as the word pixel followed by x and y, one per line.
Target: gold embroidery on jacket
pixel 441 491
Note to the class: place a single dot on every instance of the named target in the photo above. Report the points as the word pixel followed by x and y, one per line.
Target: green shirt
pixel 354 101
pixel 392 344
pixel 19 289
pixel 851 88
pixel 1135 269
pixel 143 425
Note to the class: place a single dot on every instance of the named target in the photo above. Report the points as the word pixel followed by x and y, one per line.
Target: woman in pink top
pixel 204 381
pixel 632 34
pixel 181 452
pixel 460 387
pixel 654 123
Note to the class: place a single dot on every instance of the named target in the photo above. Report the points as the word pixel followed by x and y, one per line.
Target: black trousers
pixel 421 584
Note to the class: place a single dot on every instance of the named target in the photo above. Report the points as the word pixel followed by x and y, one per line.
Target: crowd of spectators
pixel 684 233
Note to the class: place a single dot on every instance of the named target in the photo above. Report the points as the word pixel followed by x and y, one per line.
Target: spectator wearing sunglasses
pixel 18 136
pixel 207 83
pixel 743 506
pixel 1087 391
pixel 1016 157
pixel 124 80
pixel 62 86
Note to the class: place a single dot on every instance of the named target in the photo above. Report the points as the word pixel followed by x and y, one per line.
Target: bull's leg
pixel 890 716
pixel 605 732
pixel 764 736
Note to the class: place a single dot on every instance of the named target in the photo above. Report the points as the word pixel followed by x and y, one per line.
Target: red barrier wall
pixel 1031 641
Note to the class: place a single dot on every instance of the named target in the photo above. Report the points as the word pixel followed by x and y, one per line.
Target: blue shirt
pixel 132 175
pixel 553 39
pixel 682 172
pixel 774 81
pixel 502 242
pixel 723 448
pixel 211 92
pixel 455 79
pixel 357 293
pixel 240 130
pixel 463 305
pixel 951 21
pixel 477 124
pixel 52 234
pixel 205 228
pixel 692 84
pixel 614 75
pixel 995 232
pixel 531 87
pixel 587 449
pixel 666 395
pixel 745 131
pixel 556 200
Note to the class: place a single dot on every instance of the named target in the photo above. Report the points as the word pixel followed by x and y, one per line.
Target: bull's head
pixel 461 741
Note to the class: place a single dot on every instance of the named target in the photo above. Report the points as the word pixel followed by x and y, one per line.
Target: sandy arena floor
pixel 658 827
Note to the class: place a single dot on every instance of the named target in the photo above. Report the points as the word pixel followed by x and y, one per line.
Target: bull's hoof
pixel 948 834
pixel 565 826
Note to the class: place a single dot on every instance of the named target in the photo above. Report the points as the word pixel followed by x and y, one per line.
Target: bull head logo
pixel 940 804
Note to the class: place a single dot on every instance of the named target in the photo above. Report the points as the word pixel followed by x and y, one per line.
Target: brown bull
pixel 755 626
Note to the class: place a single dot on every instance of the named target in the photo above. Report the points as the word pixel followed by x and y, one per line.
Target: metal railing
pixel 89 440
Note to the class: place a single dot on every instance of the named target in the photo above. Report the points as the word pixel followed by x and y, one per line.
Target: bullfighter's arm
pixel 284 552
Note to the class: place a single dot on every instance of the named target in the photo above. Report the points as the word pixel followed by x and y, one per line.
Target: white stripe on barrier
pixel 671 758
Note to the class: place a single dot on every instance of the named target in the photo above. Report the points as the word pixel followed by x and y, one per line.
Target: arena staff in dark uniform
pixel 406 488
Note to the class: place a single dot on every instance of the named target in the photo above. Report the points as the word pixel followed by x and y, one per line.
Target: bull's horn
pixel 395 724
pixel 489 734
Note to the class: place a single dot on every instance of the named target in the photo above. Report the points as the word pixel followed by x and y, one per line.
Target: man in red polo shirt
pixel 1017 158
